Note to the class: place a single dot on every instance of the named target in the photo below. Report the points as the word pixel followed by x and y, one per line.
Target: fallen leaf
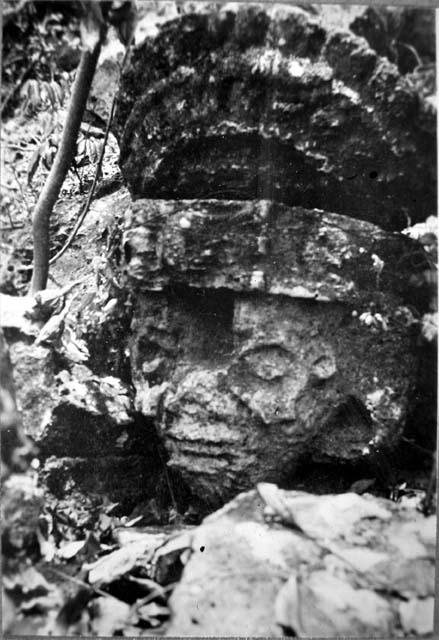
pixel 70 549
pixel 47 546
pixel 124 536
pixel 152 612
pixel 118 563
pixel 167 559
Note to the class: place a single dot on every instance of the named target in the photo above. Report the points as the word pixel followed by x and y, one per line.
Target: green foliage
pixel 40 48
pixel 40 94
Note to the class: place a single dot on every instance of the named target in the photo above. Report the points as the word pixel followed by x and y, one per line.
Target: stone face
pixel 250 340
pixel 271 102
pixel 267 331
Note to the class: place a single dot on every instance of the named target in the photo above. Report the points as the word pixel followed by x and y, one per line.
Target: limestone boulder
pixel 288 563
pixel 276 102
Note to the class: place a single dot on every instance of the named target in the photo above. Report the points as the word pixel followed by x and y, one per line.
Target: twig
pixel 13 225
pixel 82 583
pixel 86 207
pixel 168 482
pixel 16 147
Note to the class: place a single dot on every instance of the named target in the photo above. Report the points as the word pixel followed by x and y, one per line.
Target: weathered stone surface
pixel 88 434
pixel 270 102
pixel 34 372
pixel 126 479
pixel 92 439
pixel 260 246
pixel 250 340
pixel 251 574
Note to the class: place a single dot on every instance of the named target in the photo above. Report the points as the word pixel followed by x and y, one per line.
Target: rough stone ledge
pixel 268 248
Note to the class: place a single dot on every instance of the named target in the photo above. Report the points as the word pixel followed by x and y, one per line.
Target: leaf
pixel 71 549
pixel 132 522
pixel 125 536
pixel 50 94
pixel 151 613
pixel 75 348
pixel 34 93
pixel 92 151
pixel 81 147
pixel 116 564
pixel 167 560
pixel 47 547
pixel 59 93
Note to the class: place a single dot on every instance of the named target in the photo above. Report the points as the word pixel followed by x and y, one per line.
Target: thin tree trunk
pixel 61 165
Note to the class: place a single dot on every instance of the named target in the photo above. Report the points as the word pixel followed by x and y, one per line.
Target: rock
pixel 273 102
pixel 126 479
pixel 409 578
pixel 105 81
pixel 322 605
pixel 251 576
pixel 91 431
pixel 417 616
pixel 85 427
pixel 34 372
pixel 260 246
pixel 236 569
pixel 264 334
pixel 325 517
